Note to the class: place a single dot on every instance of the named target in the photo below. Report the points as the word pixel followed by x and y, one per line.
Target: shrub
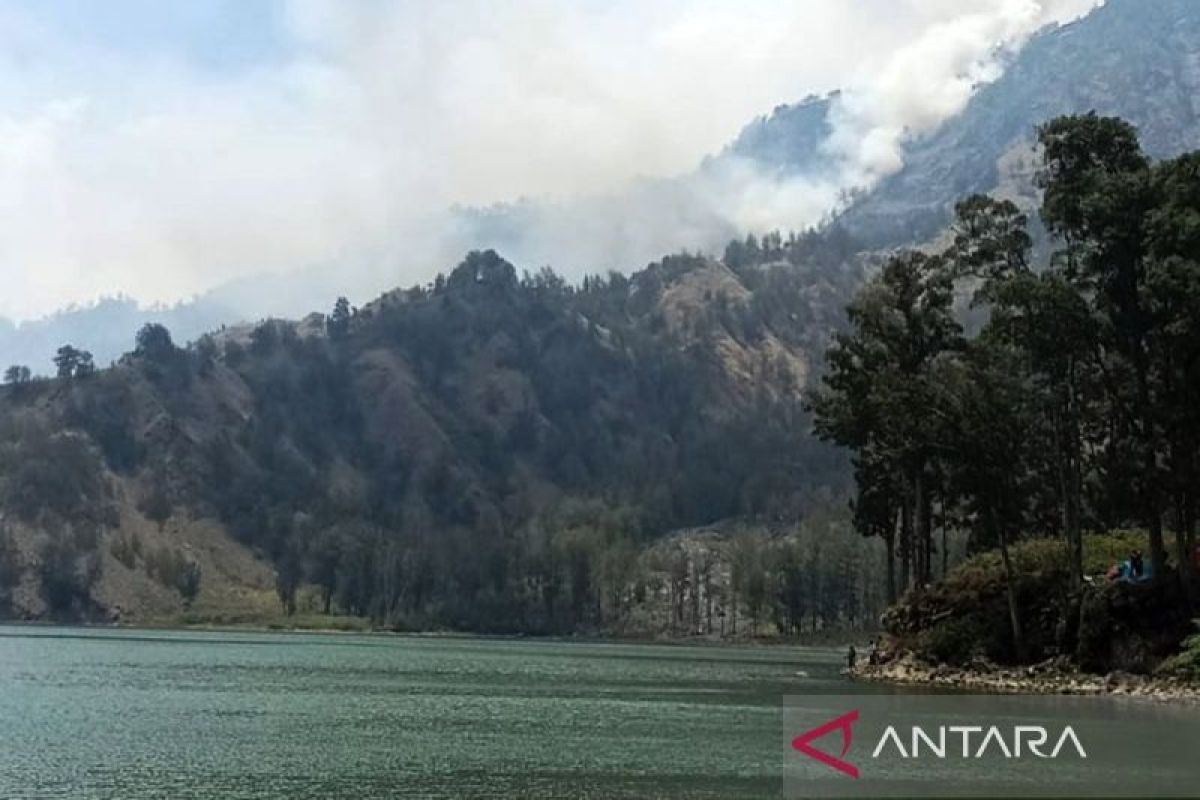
pixel 127 549
pixel 1185 664
pixel 174 570
pixel 69 568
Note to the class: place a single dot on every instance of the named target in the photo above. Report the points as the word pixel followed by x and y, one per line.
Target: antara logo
pixel 1023 740
pixel 843 723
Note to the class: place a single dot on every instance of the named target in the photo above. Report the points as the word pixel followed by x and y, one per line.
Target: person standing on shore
pixel 851 658
pixel 1136 565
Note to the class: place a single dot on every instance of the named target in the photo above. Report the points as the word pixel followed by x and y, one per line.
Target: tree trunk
pixel 1190 526
pixel 1182 553
pixel 1067 468
pixel 889 540
pixel 1149 442
pixel 918 524
pixel 1189 534
pixel 945 543
pixel 1010 580
pixel 906 540
pixel 924 527
pixel 1158 548
pixel 1074 479
pixel 708 603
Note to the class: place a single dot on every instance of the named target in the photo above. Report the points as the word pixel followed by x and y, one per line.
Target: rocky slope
pixel 1129 58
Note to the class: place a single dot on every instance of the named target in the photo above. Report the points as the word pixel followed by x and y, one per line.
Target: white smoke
pixel 960 46
pixel 145 174
pixel 927 82
pixel 911 94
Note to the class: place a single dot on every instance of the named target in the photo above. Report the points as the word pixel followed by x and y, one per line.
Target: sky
pixel 161 149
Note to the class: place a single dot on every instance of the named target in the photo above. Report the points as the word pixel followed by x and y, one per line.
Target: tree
pixel 287 579
pixel 984 404
pixel 324 556
pixel 1047 319
pixel 875 396
pixel 10 568
pixel 156 505
pixel 991 240
pixel 189 583
pixel 877 506
pixel 337 324
pixel 749 579
pixel 1173 294
pixel 206 352
pixel 17 375
pixel 1097 197
pixel 69 567
pixel 85 367
pixel 265 338
pixel 73 363
pixel 153 342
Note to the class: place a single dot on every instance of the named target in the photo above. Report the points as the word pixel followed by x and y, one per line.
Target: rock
pixel 1053 678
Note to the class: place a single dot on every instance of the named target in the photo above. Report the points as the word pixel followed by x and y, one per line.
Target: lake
pixel 120 713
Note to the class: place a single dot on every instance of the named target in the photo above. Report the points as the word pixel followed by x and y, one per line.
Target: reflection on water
pixel 138 714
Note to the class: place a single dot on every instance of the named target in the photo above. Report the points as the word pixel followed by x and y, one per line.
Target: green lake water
pixel 102 713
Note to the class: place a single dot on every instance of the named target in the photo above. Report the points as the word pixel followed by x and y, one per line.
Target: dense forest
pixel 1072 409
pixel 486 452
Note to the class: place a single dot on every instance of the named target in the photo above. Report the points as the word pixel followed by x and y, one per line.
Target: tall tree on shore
pixel 877 394
pixel 987 412
pixel 1173 291
pixel 1098 196
pixel 1047 320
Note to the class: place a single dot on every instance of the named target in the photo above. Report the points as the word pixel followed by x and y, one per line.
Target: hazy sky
pixel 161 148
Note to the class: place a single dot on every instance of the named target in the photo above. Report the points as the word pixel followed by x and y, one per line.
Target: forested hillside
pixel 485 452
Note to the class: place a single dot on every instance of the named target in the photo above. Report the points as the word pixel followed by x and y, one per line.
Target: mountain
pixel 454 455
pixel 495 452
pixel 1133 59
pixel 104 328
pixel 1129 58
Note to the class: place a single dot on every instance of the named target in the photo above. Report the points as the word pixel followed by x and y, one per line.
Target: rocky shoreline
pixel 1056 676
